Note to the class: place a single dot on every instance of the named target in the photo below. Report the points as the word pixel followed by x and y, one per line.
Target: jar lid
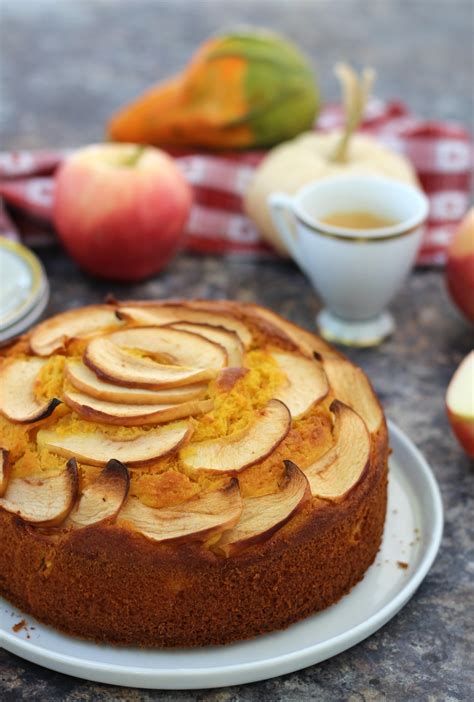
pixel 24 289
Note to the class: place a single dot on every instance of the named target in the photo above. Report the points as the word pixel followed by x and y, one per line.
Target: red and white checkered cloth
pixel 441 153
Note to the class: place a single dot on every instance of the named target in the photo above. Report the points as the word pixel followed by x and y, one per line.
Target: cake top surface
pixel 180 420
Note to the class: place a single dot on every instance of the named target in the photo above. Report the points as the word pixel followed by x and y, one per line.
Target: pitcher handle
pixel 281 212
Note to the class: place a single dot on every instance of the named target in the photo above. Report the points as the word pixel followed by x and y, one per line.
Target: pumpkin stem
pixel 355 93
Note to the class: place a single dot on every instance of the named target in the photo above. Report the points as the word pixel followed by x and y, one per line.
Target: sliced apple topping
pixel 166 314
pixel 228 377
pixel 339 470
pixel 229 340
pixel 4 470
pixel 244 448
pixel 17 398
pixel 262 516
pixel 43 501
pixel 97 410
pixel 117 365
pixel 93 409
pixel 275 326
pixel 102 499
pixel 195 520
pixel 306 383
pixel 51 335
pixel 177 347
pixel 97 448
pixel 351 386
pixel 84 379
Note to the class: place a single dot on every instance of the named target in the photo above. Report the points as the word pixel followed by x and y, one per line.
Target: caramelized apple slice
pixel 166 314
pixel 275 326
pixel 333 475
pixel 102 499
pixel 306 384
pixel 177 347
pixel 51 335
pixel 4 470
pixel 351 386
pixel 116 365
pixel 229 340
pixel 96 410
pixel 228 377
pixel 17 397
pixel 194 520
pixel 84 379
pixel 244 448
pixel 43 501
pixel 262 516
pixel 97 448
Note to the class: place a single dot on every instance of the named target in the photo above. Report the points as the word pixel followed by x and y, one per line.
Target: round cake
pixel 184 473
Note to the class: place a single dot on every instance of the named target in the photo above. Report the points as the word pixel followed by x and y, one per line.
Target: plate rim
pixel 253 671
pixel 37 275
pixel 20 326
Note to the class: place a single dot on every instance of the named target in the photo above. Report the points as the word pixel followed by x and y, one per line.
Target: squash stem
pixel 355 93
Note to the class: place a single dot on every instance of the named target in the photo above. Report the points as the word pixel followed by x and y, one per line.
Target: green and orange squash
pixel 239 91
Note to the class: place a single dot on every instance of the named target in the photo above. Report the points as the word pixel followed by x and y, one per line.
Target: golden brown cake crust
pixel 106 583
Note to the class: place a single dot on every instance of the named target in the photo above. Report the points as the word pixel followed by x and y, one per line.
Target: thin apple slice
pixel 262 516
pixel 85 380
pixel 51 335
pixel 166 314
pixel 235 452
pixel 229 340
pixel 97 448
pixel 274 326
pixel 17 397
pixel 352 387
pixel 43 501
pixel 194 520
pixel 102 499
pixel 178 347
pixel 118 366
pixel 338 471
pixel 96 410
pixel 228 377
pixel 4 470
pixel 306 384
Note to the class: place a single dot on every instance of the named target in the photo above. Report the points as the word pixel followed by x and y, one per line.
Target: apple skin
pixel 463 429
pixel 460 403
pixel 120 209
pixel 460 267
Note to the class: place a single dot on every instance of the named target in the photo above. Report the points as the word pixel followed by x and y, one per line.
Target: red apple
pixel 460 266
pixel 460 404
pixel 120 209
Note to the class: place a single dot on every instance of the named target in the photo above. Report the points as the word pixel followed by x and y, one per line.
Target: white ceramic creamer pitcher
pixel 356 272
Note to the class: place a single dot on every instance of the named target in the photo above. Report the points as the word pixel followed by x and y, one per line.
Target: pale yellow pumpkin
pixel 312 156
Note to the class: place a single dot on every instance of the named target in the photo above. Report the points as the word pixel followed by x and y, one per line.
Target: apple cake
pixel 184 473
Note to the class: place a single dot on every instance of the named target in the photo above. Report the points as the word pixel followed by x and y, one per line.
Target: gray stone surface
pixel 65 66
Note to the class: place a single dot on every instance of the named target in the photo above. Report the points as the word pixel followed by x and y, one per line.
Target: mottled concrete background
pixel 65 65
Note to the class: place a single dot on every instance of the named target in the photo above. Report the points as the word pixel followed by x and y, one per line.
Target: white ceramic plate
pixel 22 325
pixel 412 535
pixel 22 278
